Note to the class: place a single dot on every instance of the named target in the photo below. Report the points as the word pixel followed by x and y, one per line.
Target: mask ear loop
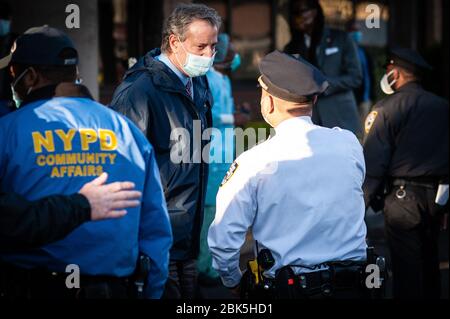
pixel 176 54
pixel 19 78
pixel 394 81
pixel 31 87
pixel 79 80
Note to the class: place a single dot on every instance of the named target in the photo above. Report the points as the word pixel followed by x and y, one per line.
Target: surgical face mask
pixel 386 87
pixel 196 65
pixel 357 36
pixel 236 62
pixel 16 98
pixel 5 27
pixel 263 101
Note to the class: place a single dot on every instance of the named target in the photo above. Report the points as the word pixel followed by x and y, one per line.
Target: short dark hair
pixel 182 16
pixel 413 74
pixel 55 73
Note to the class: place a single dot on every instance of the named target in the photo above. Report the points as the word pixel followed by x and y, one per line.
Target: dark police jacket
pixel 407 136
pixel 154 98
pixel 25 224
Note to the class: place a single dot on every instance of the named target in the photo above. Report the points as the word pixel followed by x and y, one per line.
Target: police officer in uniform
pixel 406 152
pixel 56 141
pixel 300 192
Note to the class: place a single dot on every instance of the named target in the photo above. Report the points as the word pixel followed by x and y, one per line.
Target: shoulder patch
pixel 370 119
pixel 231 170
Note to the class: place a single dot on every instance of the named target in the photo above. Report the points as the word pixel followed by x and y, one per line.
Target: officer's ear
pixel 31 78
pixel 271 104
pixel 395 74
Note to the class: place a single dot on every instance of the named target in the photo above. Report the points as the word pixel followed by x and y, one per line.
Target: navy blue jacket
pixel 154 98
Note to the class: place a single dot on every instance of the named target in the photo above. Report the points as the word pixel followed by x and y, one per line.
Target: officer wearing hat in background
pixel 406 152
pixel 58 140
pixel 6 41
pixel 300 192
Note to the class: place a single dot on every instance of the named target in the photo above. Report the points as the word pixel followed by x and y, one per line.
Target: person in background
pixel 406 150
pixel 6 41
pixel 364 93
pixel 166 91
pixel 224 120
pixel 334 53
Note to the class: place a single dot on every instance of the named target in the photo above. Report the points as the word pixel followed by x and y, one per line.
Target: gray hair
pixel 182 16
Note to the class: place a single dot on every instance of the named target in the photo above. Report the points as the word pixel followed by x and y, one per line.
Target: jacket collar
pixel 162 75
pixel 64 89
pixel 413 85
pixel 165 59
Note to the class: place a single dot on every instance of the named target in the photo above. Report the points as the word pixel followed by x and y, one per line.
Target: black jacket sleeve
pixel 25 224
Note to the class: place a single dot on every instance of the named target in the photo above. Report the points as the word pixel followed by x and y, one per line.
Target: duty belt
pixel 339 276
pixel 288 285
pixel 16 282
pixel 425 183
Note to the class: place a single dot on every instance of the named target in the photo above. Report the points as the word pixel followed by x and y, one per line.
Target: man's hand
pixel 109 200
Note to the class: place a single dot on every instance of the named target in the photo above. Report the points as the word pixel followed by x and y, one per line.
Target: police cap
pixel 42 46
pixel 408 59
pixel 290 78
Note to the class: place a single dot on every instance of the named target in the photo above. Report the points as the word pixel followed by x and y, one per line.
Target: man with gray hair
pixel 165 91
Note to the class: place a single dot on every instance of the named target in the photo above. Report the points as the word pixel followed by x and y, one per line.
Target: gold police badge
pixel 370 119
pixel 231 170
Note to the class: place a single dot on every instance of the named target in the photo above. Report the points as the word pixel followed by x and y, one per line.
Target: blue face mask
pixel 5 27
pixel 356 36
pixel 236 63
pixel 196 65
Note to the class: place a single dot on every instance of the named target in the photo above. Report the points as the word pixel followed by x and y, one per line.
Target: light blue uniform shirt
pixel 183 77
pixel 301 192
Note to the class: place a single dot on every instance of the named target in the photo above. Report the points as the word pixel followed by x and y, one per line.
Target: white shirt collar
pixel 165 59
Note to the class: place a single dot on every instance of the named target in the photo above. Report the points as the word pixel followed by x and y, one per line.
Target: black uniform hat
pixel 408 59
pixel 290 78
pixel 41 46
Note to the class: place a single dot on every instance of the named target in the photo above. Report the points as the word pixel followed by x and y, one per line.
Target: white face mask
pixel 15 96
pixel 386 87
pixel 195 65
pixel 262 112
